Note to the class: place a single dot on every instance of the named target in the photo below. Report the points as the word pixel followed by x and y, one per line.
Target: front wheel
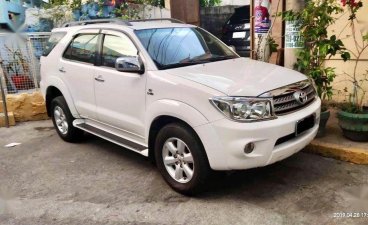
pixel 181 159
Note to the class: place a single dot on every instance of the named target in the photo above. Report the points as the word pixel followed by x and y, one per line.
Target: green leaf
pixel 345 56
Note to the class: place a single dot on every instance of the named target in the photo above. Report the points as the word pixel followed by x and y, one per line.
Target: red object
pixel 22 82
pixel 352 3
pixel 261 14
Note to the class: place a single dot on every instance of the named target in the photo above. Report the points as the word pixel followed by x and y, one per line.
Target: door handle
pixel 62 70
pixel 99 79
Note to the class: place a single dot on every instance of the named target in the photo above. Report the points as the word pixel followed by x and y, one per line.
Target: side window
pixel 82 48
pixel 115 47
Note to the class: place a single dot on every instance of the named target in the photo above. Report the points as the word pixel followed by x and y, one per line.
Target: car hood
pixel 239 77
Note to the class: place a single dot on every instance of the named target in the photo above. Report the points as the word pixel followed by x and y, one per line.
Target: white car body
pixel 121 106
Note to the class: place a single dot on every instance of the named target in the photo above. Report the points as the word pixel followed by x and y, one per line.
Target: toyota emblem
pixel 301 97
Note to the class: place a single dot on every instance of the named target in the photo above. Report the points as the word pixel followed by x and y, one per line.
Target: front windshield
pixel 177 47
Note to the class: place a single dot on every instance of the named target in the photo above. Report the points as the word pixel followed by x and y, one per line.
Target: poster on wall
pixel 293 39
pixel 262 21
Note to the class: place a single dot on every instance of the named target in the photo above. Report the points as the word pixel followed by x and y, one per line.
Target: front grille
pixel 284 100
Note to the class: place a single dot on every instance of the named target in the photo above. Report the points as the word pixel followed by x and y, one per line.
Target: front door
pixel 77 71
pixel 120 96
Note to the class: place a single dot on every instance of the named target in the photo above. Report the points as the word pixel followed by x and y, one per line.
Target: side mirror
pixel 132 64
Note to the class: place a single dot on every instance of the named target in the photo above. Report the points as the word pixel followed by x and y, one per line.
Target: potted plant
pixel 314 20
pixel 353 115
pixel 19 67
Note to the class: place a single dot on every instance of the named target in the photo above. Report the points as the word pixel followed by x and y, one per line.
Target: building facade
pixel 11 14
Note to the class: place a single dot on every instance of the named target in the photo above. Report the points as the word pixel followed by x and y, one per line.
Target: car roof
pixel 133 26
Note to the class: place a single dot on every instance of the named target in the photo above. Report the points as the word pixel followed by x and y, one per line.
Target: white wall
pixel 235 2
pixel 152 12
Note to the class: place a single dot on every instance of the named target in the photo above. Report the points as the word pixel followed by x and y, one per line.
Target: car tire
pixel 63 121
pixel 185 168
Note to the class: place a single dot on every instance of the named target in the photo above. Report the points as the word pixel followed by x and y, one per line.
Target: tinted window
pixel 115 47
pixel 82 48
pixel 175 47
pixel 52 42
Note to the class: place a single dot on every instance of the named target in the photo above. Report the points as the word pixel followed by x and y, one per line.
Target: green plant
pixel 209 3
pixel 56 10
pixel 358 92
pixel 17 62
pixel 128 11
pixel 157 3
pixel 314 19
pixel 75 4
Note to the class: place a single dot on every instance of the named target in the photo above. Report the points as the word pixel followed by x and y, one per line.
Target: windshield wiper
pixel 176 65
pixel 195 62
pixel 219 58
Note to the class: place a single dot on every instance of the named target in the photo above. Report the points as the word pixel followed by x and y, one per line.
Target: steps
pixel 92 128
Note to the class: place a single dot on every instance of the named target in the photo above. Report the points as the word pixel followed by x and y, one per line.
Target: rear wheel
pixel 63 120
pixel 181 159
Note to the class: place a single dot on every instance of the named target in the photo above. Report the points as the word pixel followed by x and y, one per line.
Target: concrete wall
pixel 214 18
pixel 342 67
pixel 151 12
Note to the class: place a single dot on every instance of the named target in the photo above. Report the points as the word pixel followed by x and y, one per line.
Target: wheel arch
pixel 165 111
pixel 54 91
pixel 158 123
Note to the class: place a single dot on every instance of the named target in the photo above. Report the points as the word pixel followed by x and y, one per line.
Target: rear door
pixel 77 70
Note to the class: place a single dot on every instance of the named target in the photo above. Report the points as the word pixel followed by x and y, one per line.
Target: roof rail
pixel 172 20
pixel 86 22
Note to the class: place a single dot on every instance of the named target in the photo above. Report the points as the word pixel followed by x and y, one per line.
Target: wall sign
pixel 293 38
pixel 262 20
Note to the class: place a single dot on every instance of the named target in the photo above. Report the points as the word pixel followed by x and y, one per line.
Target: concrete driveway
pixel 47 181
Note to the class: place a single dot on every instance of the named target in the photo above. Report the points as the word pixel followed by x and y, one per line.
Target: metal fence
pixel 19 60
pixel 20 64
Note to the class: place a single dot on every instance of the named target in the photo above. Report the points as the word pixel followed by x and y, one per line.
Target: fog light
pixel 249 148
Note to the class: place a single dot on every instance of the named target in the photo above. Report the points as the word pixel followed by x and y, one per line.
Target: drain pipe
pixel 3 96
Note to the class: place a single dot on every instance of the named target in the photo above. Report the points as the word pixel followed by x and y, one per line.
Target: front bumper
pixel 224 140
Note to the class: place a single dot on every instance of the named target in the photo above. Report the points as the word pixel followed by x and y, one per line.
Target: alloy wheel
pixel 178 160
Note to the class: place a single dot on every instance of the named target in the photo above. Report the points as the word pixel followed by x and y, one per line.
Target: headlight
pixel 244 109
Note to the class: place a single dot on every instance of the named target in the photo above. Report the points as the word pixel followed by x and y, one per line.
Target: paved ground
pixel 47 181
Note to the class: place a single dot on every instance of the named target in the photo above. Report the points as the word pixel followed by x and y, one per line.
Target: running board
pixel 141 149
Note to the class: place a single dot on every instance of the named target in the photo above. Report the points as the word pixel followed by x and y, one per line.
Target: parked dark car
pixel 236 31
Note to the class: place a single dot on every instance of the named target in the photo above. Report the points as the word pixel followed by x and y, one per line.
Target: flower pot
pixel 22 82
pixel 354 126
pixel 325 115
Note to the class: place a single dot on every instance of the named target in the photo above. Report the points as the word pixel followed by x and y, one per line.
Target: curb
pixel 353 155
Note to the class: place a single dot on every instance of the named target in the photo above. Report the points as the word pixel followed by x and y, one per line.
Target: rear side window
pixel 82 48
pixel 52 42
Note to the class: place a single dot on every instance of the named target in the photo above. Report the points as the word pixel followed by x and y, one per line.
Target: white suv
pixel 176 94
